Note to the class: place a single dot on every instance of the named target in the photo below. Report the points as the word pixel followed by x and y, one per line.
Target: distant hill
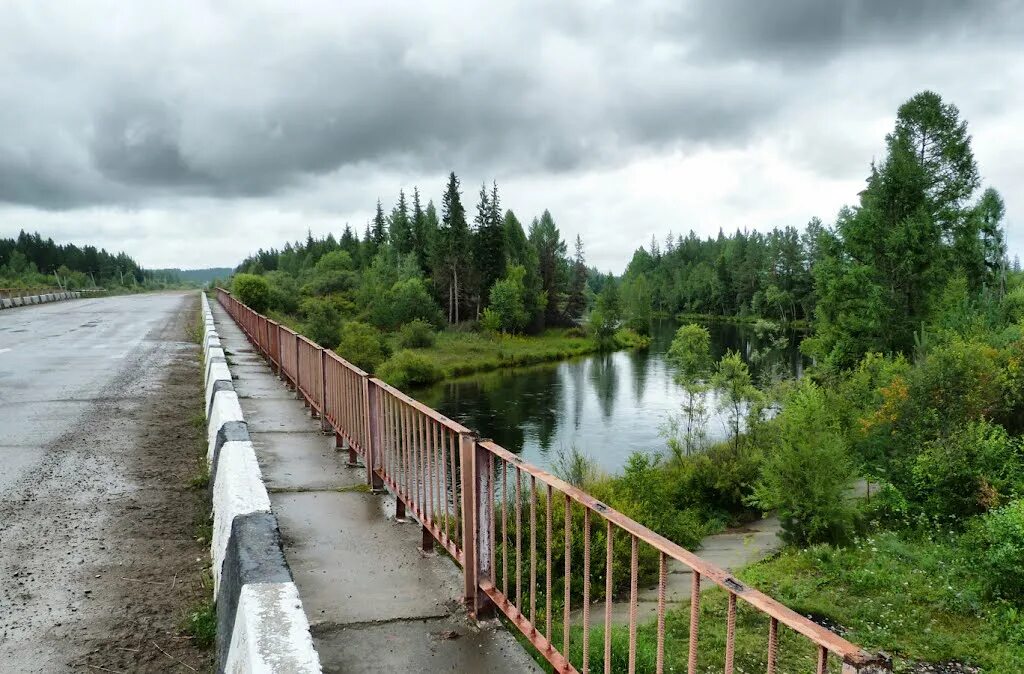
pixel 197 276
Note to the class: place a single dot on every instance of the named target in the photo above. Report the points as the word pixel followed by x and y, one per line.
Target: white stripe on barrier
pixel 271 632
pixel 225 409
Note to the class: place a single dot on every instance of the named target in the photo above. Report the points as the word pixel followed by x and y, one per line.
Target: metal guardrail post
pixel 476 490
pixel 372 449
pixel 298 371
pixel 325 425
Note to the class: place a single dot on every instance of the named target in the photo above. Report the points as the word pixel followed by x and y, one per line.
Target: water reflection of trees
pixel 603 377
pixel 503 406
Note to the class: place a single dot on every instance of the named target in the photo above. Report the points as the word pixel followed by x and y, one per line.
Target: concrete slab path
pixel 375 601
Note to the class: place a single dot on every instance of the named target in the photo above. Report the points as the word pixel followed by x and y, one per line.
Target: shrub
pixel 627 338
pixel 406 301
pixel 806 474
pixel 362 345
pixel 322 322
pixel 284 292
pixel 407 368
pixel 974 469
pixel 718 481
pixel 996 542
pixel 490 321
pixel 251 290
pixel 416 334
pixel 508 300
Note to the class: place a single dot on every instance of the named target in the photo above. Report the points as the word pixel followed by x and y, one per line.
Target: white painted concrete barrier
pixel 261 625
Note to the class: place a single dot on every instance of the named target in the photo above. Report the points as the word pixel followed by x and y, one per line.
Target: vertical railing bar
pixel 773 644
pixel 456 488
pixel 568 575
pixel 822 660
pixel 608 587
pixel 586 590
pixel 519 540
pixel 549 633
pixel 633 573
pixel 533 552
pixel 504 528
pixel 494 551
pixel 444 481
pixel 662 581
pixel 691 661
pixel 730 634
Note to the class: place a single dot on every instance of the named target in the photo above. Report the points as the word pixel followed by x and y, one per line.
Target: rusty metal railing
pixel 515 529
pixel 11 293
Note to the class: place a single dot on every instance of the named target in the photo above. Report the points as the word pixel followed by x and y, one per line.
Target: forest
pixel 31 261
pixel 423 295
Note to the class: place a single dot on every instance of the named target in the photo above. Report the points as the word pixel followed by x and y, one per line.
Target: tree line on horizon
pixel 447 266
pixel 30 259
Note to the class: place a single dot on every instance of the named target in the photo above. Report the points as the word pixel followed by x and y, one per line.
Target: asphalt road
pixel 97 523
pixel 56 360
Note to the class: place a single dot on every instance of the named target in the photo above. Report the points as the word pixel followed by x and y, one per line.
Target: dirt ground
pixel 100 548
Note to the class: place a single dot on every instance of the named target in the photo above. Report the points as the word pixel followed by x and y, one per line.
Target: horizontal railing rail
pixel 482 504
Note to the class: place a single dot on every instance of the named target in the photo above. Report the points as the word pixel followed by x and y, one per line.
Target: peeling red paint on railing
pixel 465 492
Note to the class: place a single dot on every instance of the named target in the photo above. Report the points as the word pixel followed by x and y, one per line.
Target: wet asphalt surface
pixel 80 381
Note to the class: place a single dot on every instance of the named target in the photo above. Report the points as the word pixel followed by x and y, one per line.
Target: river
pixel 606 405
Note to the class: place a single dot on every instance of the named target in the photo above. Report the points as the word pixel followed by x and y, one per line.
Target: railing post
pixel 372 449
pixel 280 354
pixel 476 558
pixel 325 426
pixel 298 371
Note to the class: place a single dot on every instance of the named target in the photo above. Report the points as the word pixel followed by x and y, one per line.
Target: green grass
pixel 915 599
pixel 201 624
pixel 455 354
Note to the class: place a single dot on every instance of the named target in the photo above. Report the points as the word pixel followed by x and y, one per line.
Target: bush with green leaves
pixel 996 542
pixel 408 368
pixel 807 472
pixel 508 300
pixel 407 300
pixel 251 290
pixel 416 334
pixel 284 292
pixel 323 322
pixel 362 345
pixel 490 321
pixel 975 468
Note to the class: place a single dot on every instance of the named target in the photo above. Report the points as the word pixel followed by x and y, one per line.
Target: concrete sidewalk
pixel 375 601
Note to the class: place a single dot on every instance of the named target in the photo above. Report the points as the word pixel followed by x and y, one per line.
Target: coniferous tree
pixel 399 227
pixel 420 241
pixel 453 249
pixel 546 239
pixel 576 303
pixel 379 234
pixel 489 251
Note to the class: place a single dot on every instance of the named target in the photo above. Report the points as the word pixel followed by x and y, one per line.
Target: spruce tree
pixel 453 249
pixel 399 227
pixel 489 251
pixel 577 301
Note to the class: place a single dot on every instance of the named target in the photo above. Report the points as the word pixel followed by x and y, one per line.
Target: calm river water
pixel 607 405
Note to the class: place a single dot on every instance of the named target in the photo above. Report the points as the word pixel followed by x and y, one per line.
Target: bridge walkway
pixel 375 600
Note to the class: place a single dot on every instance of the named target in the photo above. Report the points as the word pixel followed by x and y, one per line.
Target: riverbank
pixel 799 325
pixel 456 354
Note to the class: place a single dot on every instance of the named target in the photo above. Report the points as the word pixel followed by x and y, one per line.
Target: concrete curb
pixel 26 300
pixel 261 625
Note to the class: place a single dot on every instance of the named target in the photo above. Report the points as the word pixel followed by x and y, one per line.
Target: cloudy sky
pixel 190 134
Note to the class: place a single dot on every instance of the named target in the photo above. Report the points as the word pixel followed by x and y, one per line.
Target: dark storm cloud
pixel 822 29
pixel 262 112
pixel 135 103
